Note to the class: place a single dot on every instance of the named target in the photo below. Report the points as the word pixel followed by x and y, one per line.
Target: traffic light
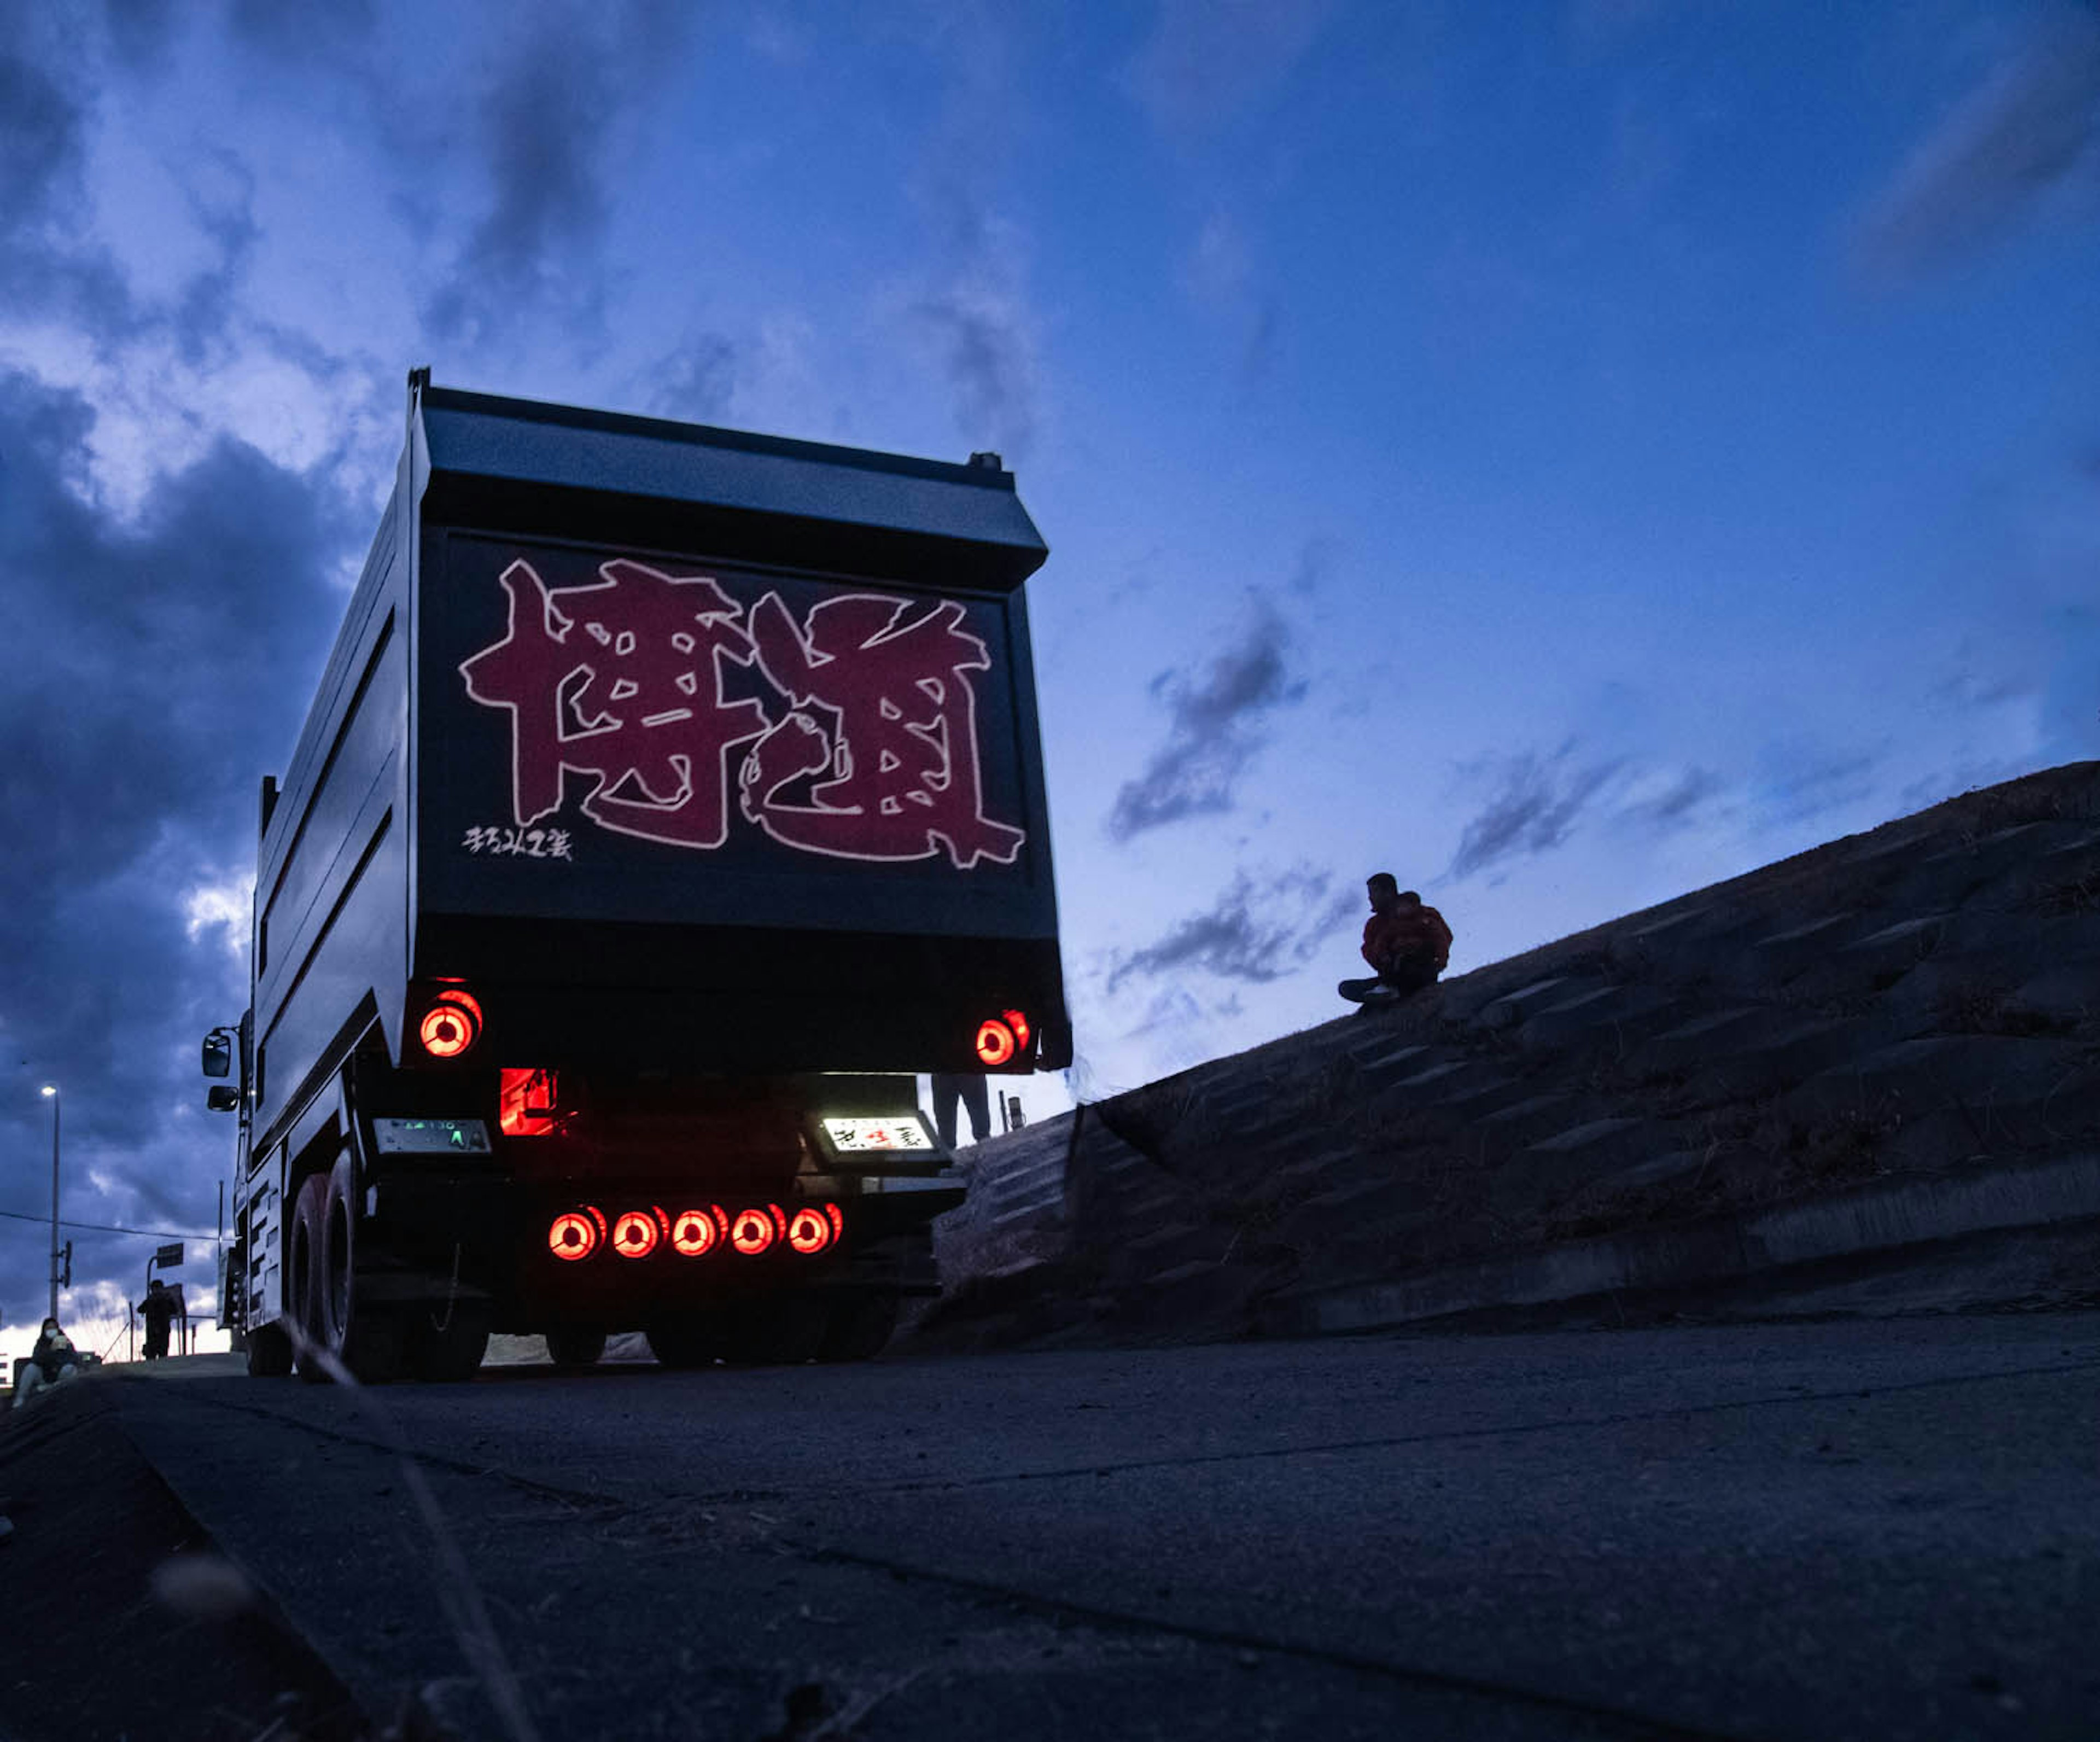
pixel 66 1280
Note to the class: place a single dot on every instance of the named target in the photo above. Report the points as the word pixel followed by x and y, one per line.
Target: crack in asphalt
pixel 1623 1418
pixel 600 1501
pixel 1624 1721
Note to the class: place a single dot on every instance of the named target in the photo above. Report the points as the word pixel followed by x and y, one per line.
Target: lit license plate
pixel 852 1136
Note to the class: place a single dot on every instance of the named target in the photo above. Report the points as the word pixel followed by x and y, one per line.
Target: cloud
pixel 1672 807
pixel 1797 784
pixel 156 668
pixel 1253 932
pixel 697 382
pixel 544 126
pixel 1532 808
pixel 42 139
pixel 1207 60
pixel 985 337
pixel 1215 728
pixel 140 30
pixel 315 30
pixel 2032 124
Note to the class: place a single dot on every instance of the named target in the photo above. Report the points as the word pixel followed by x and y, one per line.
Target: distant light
pixel 50 1089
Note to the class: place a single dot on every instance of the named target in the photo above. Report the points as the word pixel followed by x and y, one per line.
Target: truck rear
pixel 671 798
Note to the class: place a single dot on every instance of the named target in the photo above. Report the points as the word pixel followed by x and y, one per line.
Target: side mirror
pixel 218 1055
pixel 220 1098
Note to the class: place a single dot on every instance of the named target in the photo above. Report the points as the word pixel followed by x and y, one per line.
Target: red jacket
pixel 1408 933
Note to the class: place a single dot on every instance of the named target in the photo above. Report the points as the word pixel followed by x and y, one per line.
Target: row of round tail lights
pixel 577 1233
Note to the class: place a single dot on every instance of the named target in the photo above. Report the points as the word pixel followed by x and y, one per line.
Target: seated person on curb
pixel 52 1360
pixel 1407 943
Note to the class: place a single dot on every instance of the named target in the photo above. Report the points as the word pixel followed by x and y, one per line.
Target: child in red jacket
pixel 1407 944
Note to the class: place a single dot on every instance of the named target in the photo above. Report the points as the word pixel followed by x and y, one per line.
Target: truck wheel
pixel 366 1341
pixel 575 1348
pixel 692 1341
pixel 859 1327
pixel 448 1348
pixel 780 1330
pixel 269 1352
pixel 302 1280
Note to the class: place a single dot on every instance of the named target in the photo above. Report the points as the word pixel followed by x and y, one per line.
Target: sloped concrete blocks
pixel 1615 1016
pixel 1978 1071
pixel 1916 1006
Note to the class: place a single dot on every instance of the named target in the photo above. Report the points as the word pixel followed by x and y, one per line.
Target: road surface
pixel 1872 1529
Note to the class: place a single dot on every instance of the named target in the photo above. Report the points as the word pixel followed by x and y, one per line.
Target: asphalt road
pixel 1872 1529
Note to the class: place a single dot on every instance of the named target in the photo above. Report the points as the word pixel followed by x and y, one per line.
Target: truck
pixel 672 799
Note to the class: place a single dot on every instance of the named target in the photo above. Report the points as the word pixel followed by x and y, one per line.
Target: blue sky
pixel 1566 453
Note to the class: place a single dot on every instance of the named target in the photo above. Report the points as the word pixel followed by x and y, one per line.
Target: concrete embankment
pixel 1879 1055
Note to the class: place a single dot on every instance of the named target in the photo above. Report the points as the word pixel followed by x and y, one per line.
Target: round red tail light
pixel 751 1231
pixel 1017 1020
pixel 571 1236
pixel 450 1025
pixel 809 1230
pixel 694 1233
pixel 635 1233
pixel 995 1041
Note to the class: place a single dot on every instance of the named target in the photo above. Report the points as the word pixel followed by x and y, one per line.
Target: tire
pixel 366 1341
pixel 302 1271
pixel 445 1347
pixel 692 1341
pixel 860 1326
pixel 269 1352
pixel 775 1331
pixel 571 1347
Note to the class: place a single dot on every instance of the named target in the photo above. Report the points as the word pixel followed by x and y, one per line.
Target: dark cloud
pixel 695 383
pixel 1253 932
pixel 1216 728
pixel 1531 808
pixel 158 668
pixel 42 142
pixel 2032 124
pixel 1673 808
pixel 1799 785
pixel 985 349
pixel 545 127
pixel 140 31
pixel 314 30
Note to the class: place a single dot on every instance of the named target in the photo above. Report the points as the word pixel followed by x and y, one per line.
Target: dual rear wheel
pixel 429 1341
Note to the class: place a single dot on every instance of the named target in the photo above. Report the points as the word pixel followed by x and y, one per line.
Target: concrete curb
pixel 1866 1221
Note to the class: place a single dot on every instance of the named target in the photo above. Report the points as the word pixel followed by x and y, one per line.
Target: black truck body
pixel 672 796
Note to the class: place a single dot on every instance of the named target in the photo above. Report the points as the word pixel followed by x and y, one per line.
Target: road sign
pixel 169 1255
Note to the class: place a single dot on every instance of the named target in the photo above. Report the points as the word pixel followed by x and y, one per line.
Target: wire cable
pixel 105 1227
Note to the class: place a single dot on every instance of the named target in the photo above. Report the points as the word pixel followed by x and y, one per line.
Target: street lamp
pixel 51 1094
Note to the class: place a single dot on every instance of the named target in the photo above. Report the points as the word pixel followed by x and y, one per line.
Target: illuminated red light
pixel 1017 1020
pixel 694 1233
pixel 809 1231
pixel 525 1102
pixel 635 1234
pixel 838 1220
pixel 451 1025
pixel 995 1042
pixel 753 1231
pixel 572 1236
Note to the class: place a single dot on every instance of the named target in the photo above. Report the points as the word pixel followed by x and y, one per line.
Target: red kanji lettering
pixel 619 682
pixel 904 778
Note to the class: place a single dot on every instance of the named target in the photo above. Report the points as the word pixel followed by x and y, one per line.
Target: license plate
pixel 857 1136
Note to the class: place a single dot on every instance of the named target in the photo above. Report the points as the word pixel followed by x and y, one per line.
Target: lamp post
pixel 51 1094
